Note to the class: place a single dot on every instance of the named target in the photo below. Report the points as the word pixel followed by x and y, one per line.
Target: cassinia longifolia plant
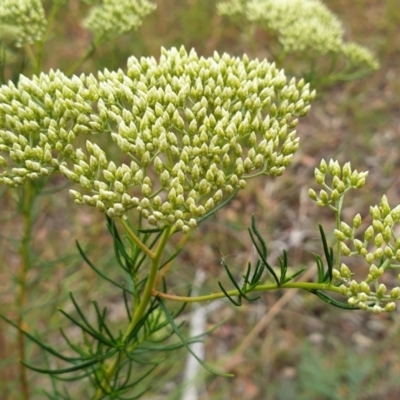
pixel 184 134
pixel 24 25
pixel 307 28
pixel 109 19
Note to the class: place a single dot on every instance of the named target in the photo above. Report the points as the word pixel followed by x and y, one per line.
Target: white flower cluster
pixel 301 25
pixel 189 130
pixel 112 18
pixel 380 247
pixel 24 19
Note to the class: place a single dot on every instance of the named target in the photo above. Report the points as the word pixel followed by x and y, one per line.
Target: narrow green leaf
pixel 92 333
pixel 296 274
pixel 91 265
pixel 101 320
pixel 74 347
pixel 320 268
pixel 328 253
pixel 86 322
pixel 40 343
pixel 255 280
pixel 135 383
pixel 283 266
pixel 239 301
pixel 127 306
pixel 178 333
pixel 263 252
pixel 332 301
pixel 155 230
pixel 246 276
pixel 69 369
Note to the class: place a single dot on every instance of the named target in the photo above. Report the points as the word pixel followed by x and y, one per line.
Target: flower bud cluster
pixel 23 19
pixel 379 246
pixel 341 180
pixel 189 131
pixel 112 18
pixel 301 25
pixel 39 121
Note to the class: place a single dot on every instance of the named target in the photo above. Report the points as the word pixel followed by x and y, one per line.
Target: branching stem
pixel 259 288
pixel 138 242
pixel 140 310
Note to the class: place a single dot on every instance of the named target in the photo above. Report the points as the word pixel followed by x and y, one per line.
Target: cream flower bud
pixel 352 301
pixel 381 290
pixel 312 195
pixel 345 250
pixel 336 274
pixel 335 195
pixel 339 235
pixel 395 293
pixel 345 271
pixel 363 297
pixel 357 221
pixel 365 287
pixel 390 306
pixel 323 167
pixel 378 253
pixel 75 195
pixel 369 233
pixel 100 206
pixel 378 240
pixel 346 229
pixel 334 168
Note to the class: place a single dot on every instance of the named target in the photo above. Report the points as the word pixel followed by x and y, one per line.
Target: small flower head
pixel 301 26
pixel 24 20
pixel 112 18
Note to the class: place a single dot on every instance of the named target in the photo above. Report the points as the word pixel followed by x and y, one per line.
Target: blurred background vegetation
pixel 285 345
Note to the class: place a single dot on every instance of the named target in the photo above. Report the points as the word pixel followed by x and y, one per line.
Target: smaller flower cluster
pixel 379 246
pixel 301 25
pixel 24 19
pixel 112 18
pixel 343 180
pixel 381 251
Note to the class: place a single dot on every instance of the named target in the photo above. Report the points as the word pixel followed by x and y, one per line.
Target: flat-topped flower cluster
pixel 111 18
pixel 23 19
pixel 301 25
pixel 379 246
pixel 189 129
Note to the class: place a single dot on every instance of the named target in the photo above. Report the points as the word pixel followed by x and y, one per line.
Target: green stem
pixel 32 57
pixel 338 216
pixel 40 45
pixel 150 283
pixel 138 242
pixel 259 288
pixel 89 52
pixel 140 310
pixel 27 212
pixel 81 60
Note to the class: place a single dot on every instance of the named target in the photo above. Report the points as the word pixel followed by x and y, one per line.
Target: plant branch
pixel 259 288
pixel 138 242
pixel 151 280
pixel 144 302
